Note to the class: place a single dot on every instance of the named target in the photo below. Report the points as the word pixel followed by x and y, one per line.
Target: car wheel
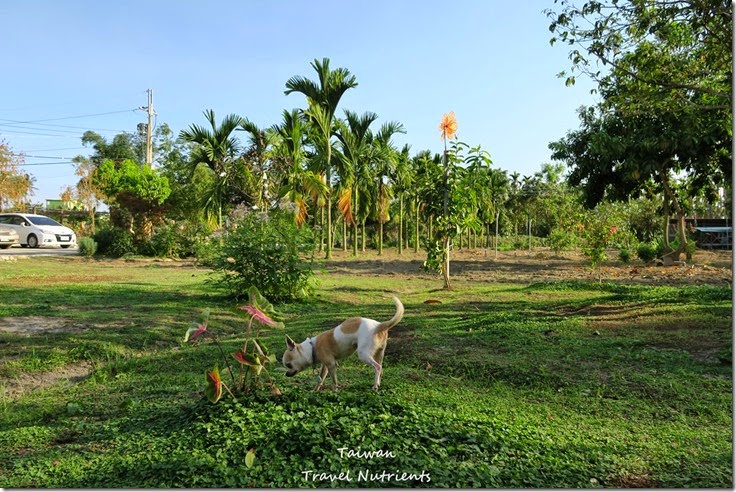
pixel 65 245
pixel 4 246
pixel 32 241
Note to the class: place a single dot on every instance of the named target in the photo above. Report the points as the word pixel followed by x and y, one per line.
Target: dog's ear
pixel 290 343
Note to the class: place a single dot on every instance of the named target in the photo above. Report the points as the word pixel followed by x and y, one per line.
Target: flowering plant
pixel 597 233
pixel 252 358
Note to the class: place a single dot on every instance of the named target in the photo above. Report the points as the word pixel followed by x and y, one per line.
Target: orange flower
pixel 448 127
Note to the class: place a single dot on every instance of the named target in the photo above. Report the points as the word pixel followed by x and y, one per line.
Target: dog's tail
pixel 393 321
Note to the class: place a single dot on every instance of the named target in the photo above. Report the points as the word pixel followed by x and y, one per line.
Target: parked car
pixel 38 230
pixel 8 237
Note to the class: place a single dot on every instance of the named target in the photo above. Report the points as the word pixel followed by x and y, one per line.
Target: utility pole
pixel 149 128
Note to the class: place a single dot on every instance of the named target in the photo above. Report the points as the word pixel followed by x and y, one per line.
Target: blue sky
pixel 489 61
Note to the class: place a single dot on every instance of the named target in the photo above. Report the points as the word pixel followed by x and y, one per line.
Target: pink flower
pixel 258 315
pixel 200 329
pixel 614 230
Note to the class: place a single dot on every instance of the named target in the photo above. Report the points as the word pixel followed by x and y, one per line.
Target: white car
pixel 38 230
pixel 8 237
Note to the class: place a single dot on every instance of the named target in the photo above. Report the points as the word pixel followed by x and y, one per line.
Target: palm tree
pixel 256 156
pixel 218 149
pixel 355 137
pixel 297 184
pixel 323 98
pixel 384 165
pixel 403 178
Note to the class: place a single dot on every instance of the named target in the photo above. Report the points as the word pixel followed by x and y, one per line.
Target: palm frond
pixel 345 205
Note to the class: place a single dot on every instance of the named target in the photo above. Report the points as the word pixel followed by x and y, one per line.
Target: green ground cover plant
pixel 553 384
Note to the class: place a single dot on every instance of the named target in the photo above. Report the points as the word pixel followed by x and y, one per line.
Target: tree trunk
pixel 344 235
pixel 401 223
pixel 380 237
pixel 416 228
pixel 328 246
pixel 355 226
pixel 671 198
pixel 362 236
pixel 446 262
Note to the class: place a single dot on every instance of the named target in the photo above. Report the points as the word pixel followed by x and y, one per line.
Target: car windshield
pixel 43 221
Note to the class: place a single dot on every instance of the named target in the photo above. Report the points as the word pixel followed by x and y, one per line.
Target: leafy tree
pixel 123 146
pixel 618 156
pixel 662 51
pixel 666 100
pixel 138 190
pixel 15 186
pixel 323 98
pixel 85 190
pixel 448 201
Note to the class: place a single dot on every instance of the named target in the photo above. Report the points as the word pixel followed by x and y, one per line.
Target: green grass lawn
pixel 568 384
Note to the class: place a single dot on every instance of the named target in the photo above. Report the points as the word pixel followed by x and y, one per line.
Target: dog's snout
pixel 291 373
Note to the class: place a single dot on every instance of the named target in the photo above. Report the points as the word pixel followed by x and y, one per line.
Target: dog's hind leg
pixel 377 369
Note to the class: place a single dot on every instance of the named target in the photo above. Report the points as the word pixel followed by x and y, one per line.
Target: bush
pixel 646 251
pixel 167 242
pixel 87 246
pixel 560 240
pixel 268 252
pixel 624 255
pixel 115 242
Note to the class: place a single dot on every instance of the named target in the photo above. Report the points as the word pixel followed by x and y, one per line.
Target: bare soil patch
pixel 541 265
pixel 71 374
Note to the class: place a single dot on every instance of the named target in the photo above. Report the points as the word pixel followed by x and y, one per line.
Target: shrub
pixel 115 242
pixel 268 252
pixel 87 246
pixel 624 255
pixel 646 251
pixel 560 240
pixel 167 242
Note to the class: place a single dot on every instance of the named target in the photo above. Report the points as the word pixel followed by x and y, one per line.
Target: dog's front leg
pixel 322 377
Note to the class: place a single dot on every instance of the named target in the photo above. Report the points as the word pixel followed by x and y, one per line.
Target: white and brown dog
pixel 365 336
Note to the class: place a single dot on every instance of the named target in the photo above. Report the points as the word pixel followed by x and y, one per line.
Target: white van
pixel 38 230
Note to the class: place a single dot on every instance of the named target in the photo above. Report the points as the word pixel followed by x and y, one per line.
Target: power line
pixel 78 116
pixel 45 163
pixel 16 123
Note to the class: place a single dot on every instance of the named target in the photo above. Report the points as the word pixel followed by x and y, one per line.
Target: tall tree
pixel 323 98
pixel 217 148
pixel 666 98
pixel 384 164
pixel 296 184
pixel 355 137
pixel 665 50
pixel 403 182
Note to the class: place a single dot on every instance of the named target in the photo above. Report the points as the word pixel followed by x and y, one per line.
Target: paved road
pixel 18 251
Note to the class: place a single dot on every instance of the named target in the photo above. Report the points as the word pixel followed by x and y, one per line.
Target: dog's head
pixel 294 358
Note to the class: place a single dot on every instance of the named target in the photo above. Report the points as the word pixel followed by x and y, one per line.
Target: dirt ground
pixel 541 265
